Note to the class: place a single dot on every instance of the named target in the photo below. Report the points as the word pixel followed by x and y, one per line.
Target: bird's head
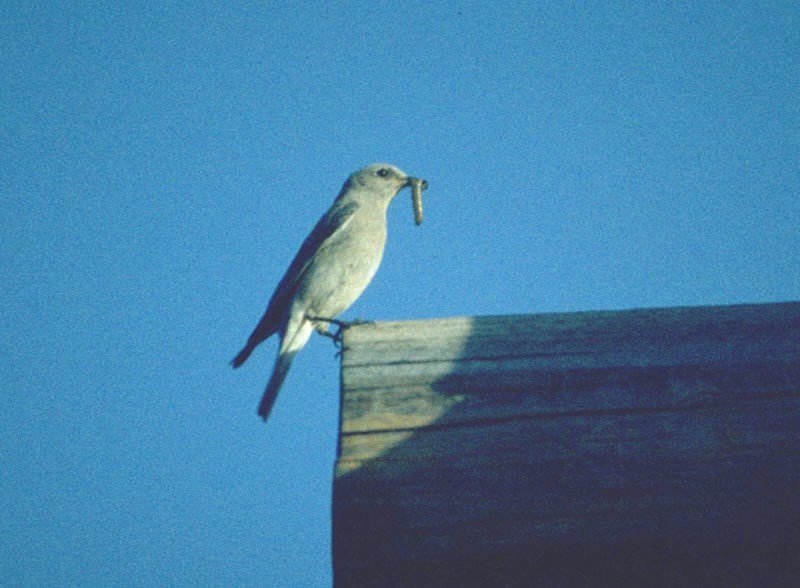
pixel 382 180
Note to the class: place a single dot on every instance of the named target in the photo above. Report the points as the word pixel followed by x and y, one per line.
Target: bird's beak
pixel 410 181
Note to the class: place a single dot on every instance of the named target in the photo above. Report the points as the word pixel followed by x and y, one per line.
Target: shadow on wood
pixel 645 447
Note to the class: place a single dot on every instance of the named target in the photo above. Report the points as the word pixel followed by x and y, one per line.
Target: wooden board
pixel 469 439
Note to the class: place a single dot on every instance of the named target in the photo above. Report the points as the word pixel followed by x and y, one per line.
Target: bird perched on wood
pixel 333 267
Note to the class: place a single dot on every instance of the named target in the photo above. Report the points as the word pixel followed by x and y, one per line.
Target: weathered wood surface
pixel 662 435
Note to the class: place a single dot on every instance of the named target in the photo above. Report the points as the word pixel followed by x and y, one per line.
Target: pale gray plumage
pixel 333 267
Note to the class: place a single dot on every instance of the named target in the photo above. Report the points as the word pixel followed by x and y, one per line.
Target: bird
pixel 333 267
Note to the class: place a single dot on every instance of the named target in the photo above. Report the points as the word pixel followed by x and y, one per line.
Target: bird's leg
pixel 322 325
pixel 324 329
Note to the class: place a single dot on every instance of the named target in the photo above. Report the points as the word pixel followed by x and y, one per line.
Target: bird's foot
pixel 322 325
pixel 340 327
pixel 359 321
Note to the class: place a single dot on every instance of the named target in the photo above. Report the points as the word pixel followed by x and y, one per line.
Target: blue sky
pixel 160 166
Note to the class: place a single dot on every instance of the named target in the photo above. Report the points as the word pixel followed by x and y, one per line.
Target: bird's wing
pixel 332 222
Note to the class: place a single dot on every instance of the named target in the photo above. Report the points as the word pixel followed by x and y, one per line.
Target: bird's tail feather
pixel 242 356
pixel 264 330
pixel 279 372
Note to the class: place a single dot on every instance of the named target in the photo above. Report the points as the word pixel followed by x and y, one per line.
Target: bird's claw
pixel 340 327
pixel 360 322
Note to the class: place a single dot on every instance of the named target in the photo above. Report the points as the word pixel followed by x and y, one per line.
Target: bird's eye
pixel 383 172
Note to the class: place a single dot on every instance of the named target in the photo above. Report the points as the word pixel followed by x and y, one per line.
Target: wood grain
pixel 471 439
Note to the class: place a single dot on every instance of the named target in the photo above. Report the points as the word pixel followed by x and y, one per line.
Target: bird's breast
pixel 343 267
